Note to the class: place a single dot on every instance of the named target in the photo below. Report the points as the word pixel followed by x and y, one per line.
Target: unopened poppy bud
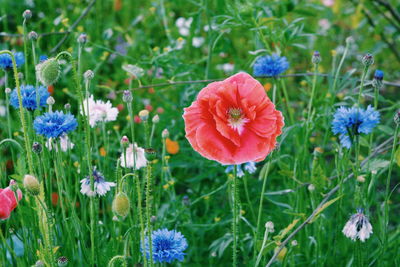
pixel 7 90
pixel 127 96
pixel 31 184
pixel 82 38
pixel 156 119
pixel 144 115
pixel 165 133
pixel 27 14
pixel 397 117
pixel 50 101
pixel 121 204
pixel 48 71
pixel 32 35
pixel 316 58
pixel 36 147
pixel 88 75
pixel 124 141
pixel 62 261
pixel 368 59
pixel 269 226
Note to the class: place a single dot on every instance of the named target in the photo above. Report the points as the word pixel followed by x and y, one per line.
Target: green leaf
pixel 327 204
pixel 375 165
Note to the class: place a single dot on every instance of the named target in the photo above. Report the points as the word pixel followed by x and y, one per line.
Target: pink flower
pixel 8 201
pixel 233 121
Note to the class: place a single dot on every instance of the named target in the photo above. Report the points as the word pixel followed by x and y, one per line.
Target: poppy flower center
pixel 236 119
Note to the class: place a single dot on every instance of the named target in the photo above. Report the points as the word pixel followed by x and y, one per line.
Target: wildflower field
pixel 199 133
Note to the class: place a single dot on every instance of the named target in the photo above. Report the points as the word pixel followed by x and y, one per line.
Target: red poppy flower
pixel 233 121
pixel 8 201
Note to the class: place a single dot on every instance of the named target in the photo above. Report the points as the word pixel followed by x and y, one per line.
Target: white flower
pixel 99 111
pixel 139 160
pixel 227 67
pixel 101 186
pixel 358 226
pixel 180 43
pixel 197 41
pixel 65 144
pixel 3 110
pixel 184 25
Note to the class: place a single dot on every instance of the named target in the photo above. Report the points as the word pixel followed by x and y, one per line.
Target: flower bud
pixel 316 58
pixel 294 243
pixel 269 226
pixel 13 185
pixel 39 263
pixel 368 59
pixel 349 40
pixel 165 133
pixel 67 106
pixel 153 219
pixel 88 75
pixel 361 179
pixel 62 261
pixel 121 204
pixel 186 200
pixel 125 141
pixel 378 78
pixel 144 115
pixel 82 38
pixel 127 96
pixel 31 184
pixel 7 90
pixel 150 154
pixel 156 119
pixel 27 14
pixel 311 187
pixel 48 71
pixel 397 117
pixel 32 36
pixel 50 101
pixel 36 147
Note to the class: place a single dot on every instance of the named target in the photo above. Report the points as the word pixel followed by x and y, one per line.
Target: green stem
pixel 21 111
pixel 140 213
pixel 364 75
pixel 287 101
pixel 312 93
pixel 148 211
pixel 234 194
pixel 25 38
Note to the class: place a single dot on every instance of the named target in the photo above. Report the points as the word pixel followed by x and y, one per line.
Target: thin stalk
pixel 287 101
pixel 234 195
pixel 262 247
pixel 140 213
pixel 364 75
pixel 346 50
pixel 387 191
pixel 314 83
pixel 25 38
pixel 148 211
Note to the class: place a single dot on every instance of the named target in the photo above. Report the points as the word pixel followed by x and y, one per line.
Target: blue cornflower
pixel 250 167
pixel 54 124
pixel 43 58
pixel 378 75
pixel 28 93
pixel 6 62
pixel 167 245
pixel 349 122
pixel 270 65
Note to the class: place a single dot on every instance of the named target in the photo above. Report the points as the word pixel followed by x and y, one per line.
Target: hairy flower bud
pixel 82 38
pixel 62 261
pixel 31 184
pixel 156 119
pixel 27 14
pixel 39 263
pixel 88 75
pixel 378 78
pixel 32 35
pixel 127 96
pixel 316 58
pixel 8 90
pixel 368 59
pixel 121 204
pixel 125 141
pixel 36 147
pixel 165 133
pixel 349 40
pixel 269 226
pixel 48 71
pixel 150 153
pixel 50 101
pixel 144 115
pixel 67 106
pixel 397 117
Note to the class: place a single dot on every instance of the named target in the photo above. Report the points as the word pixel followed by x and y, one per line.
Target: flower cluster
pixel 270 65
pixel 29 98
pixel 99 111
pixel 6 62
pixel 54 124
pixel 349 122
pixel 167 246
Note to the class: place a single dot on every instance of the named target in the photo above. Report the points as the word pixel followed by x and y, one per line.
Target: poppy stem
pixel 235 194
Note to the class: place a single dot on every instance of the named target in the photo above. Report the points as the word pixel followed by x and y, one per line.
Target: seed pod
pixel 121 204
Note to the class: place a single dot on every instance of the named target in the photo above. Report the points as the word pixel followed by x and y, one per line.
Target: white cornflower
pixel 65 144
pixel 101 186
pixel 198 41
pixel 184 25
pixel 99 111
pixel 358 226
pixel 135 156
